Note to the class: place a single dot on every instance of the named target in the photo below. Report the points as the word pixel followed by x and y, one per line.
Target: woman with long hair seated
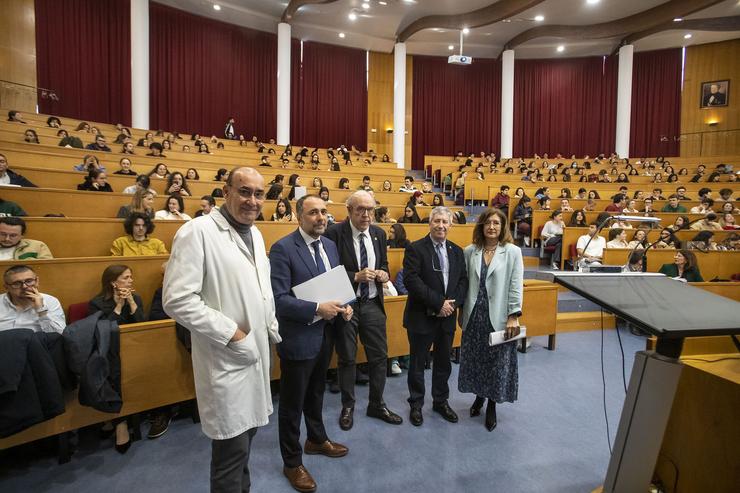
pixel 174 209
pixel 684 267
pixel 397 237
pixel 283 212
pixel 142 201
pixel 410 216
pixel 95 181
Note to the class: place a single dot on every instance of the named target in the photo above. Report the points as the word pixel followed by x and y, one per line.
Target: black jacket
pixel 30 388
pixel 424 281
pixel 20 180
pixel 92 346
pixel 341 234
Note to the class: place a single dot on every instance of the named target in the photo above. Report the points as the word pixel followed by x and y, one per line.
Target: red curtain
pixel 455 108
pixel 655 123
pixel 564 106
pixel 202 71
pixel 83 50
pixel 328 96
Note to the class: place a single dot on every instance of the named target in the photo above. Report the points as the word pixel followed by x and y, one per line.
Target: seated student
pixel 275 192
pixel 69 140
pixel 13 246
pixel 222 174
pixel 95 181
pixel 383 217
pixel 192 174
pixel 15 116
pixel 667 240
pixel 565 205
pixel 408 185
pixel 174 209
pixel 177 185
pixel 142 201
pixel 619 201
pixel 617 238
pixel 83 126
pixel 8 208
pixel 594 254
pixel 125 167
pixel 89 163
pixel 501 200
pixel 523 217
pixel 727 221
pixel 98 145
pixel 146 140
pixel 155 150
pixel 578 220
pixel 702 241
pixel 160 172
pixel 142 183
pixel 365 184
pixel 684 267
pixel 410 215
pixel 397 237
pixel 639 240
pixel 704 207
pixel 137 242
pixel 552 235
pixel 417 199
pixel 31 137
pixel 283 212
pixel 53 122
pixel 23 306
pixel 673 205
pixel 709 223
pixel 207 204
pixel 426 187
pixel 8 177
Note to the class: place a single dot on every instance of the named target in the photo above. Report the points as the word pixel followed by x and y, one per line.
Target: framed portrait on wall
pixel 714 93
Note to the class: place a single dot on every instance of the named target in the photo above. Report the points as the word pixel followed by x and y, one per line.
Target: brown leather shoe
pixel 300 479
pixel 328 448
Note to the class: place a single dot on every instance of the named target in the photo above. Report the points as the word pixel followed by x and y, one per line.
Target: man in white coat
pixel 217 285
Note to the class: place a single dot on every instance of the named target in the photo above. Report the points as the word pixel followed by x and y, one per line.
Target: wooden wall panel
pixel 704 63
pixel 380 104
pixel 18 55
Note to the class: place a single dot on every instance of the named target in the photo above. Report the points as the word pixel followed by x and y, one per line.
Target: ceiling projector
pixel 459 60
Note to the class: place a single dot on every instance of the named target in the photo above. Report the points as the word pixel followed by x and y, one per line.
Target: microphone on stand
pixel 651 245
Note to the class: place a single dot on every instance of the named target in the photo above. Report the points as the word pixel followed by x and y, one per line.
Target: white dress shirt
pixel 163 214
pixel 373 292
pixel 309 243
pixel 51 320
pixel 446 266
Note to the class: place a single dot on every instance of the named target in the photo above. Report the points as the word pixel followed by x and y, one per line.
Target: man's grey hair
pixel 440 210
pixel 352 199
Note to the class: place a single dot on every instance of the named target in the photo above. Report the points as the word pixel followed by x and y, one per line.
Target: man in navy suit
pixel 304 354
pixel 437 281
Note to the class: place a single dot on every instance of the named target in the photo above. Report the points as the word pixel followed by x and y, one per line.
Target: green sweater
pixel 691 275
pixel 668 208
pixel 8 208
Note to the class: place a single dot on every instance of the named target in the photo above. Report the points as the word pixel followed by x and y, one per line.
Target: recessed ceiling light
pixel 561 48
pixel 451 47
pixel 365 5
pixel 677 19
pixel 216 6
pixel 506 20
pixel 539 18
pixel 342 35
pixel 592 2
pixel 687 36
pixel 466 30
pixel 352 16
pixel 383 3
pixel 409 1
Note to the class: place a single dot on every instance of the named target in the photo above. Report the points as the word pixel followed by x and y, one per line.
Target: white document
pixel 299 192
pixel 332 285
pixel 497 337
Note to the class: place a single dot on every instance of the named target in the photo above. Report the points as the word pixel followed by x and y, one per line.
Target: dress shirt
pixel 551 229
pixel 163 214
pixel 595 248
pixel 446 267
pixel 373 291
pixel 11 317
pixel 309 241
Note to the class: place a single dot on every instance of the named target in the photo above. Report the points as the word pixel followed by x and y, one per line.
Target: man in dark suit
pixel 363 251
pixel 436 278
pixel 304 355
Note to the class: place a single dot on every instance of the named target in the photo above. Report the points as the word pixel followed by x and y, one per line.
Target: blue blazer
pixel 291 264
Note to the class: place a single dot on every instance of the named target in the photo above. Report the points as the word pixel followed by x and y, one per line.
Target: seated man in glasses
pixel 23 306
pixel 13 246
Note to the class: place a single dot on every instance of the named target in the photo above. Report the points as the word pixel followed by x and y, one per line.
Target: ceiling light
pixel 342 35
pixel 466 30
pixel 365 5
pixel 677 19
pixel 506 20
pixel 592 2
pixel 451 47
pixel 383 3
pixel 539 18
pixel 687 36
pixel 561 48
pixel 216 6
pixel 352 16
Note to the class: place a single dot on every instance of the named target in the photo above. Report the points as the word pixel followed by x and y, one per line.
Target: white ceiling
pixel 376 28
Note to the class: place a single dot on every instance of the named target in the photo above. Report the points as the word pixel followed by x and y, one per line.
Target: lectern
pixel 671 310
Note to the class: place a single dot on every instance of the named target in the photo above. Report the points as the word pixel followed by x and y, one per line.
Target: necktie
pixel 364 287
pixel 442 265
pixel 317 256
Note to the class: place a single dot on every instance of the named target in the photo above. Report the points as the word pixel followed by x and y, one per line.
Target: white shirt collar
pixel 435 242
pixel 356 232
pixel 306 237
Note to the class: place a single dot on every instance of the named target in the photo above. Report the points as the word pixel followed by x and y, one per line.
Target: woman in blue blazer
pixel 493 303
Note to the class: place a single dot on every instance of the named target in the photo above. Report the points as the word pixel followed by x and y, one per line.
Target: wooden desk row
pixel 712 264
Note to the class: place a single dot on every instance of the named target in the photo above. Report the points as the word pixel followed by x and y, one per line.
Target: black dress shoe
pixel 123 448
pixel 477 406
pixel 346 419
pixel 385 414
pixel 491 415
pixel 445 411
pixel 416 417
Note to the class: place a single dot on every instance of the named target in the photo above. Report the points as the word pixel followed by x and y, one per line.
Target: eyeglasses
pixel 364 210
pixel 10 236
pixel 25 283
pixel 248 193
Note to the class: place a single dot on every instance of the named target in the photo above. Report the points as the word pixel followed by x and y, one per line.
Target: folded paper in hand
pixel 497 337
pixel 332 285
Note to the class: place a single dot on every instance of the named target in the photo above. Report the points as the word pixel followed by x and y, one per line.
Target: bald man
pixel 217 285
pixel 363 251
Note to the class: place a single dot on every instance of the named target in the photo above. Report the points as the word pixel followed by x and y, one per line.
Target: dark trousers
pixel 230 463
pixel 368 321
pixel 302 385
pixel 420 344
pixel 557 242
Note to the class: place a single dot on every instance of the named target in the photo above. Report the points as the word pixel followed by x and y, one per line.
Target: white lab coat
pixel 212 286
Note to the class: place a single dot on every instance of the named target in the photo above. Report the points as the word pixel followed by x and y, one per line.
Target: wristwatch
pixel 41 310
